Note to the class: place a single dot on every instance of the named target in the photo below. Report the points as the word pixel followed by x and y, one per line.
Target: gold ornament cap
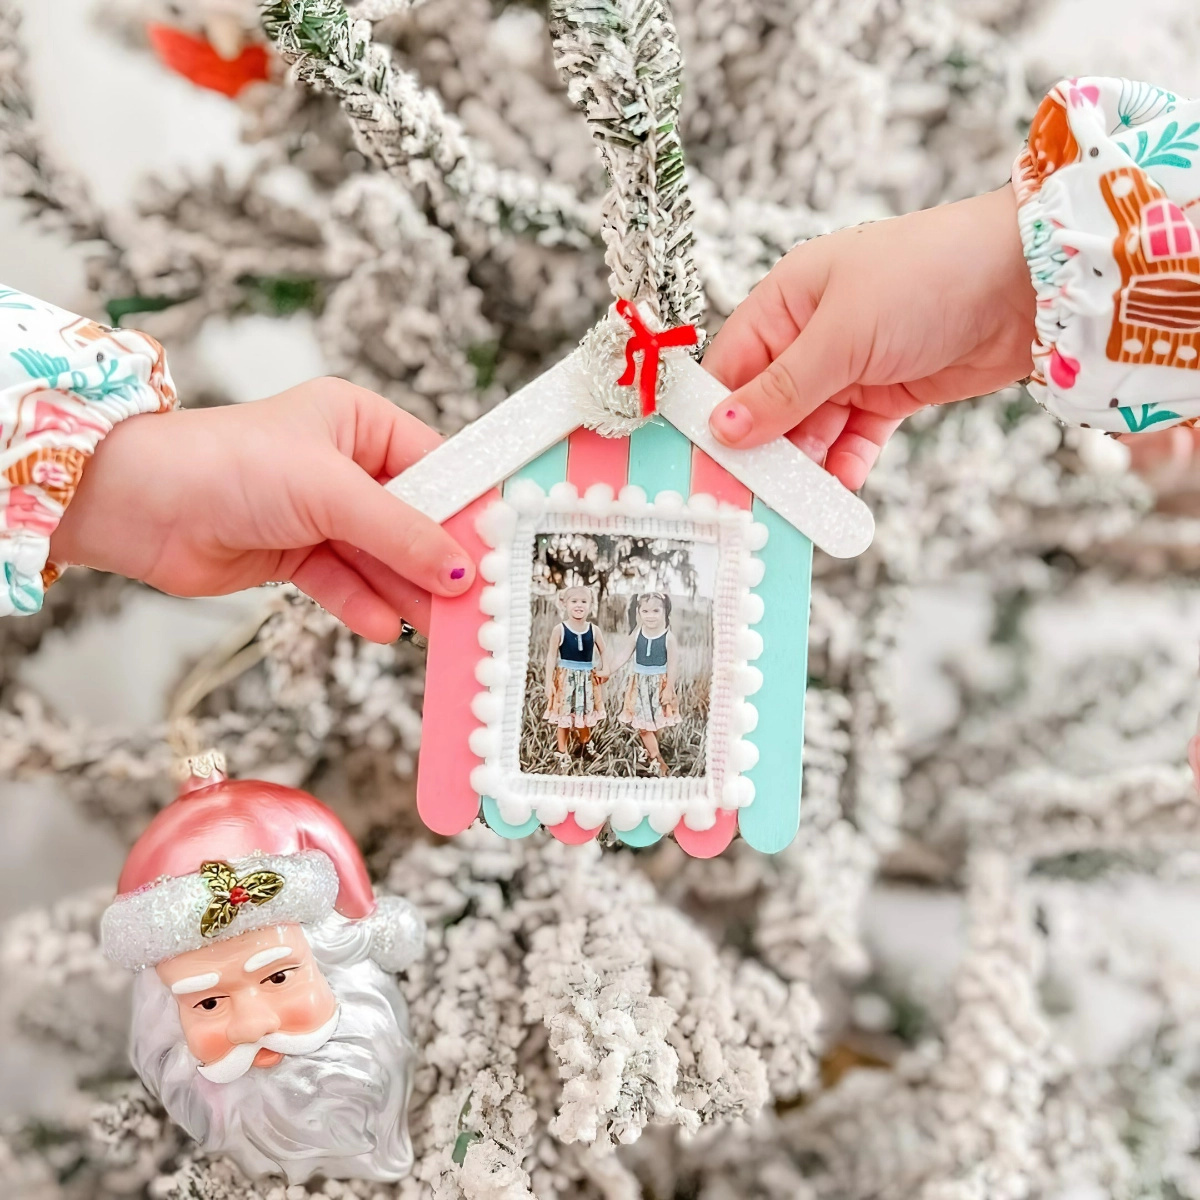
pixel 195 771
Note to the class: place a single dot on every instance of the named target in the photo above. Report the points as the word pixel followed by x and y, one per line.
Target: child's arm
pixel 672 662
pixel 601 648
pixel 552 645
pixel 852 332
pixel 621 657
pixel 207 501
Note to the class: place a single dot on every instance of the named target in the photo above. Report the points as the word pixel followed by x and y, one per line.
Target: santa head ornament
pixel 265 981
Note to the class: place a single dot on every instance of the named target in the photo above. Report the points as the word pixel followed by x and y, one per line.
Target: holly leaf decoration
pixel 218 878
pixel 230 893
pixel 217 917
pixel 261 886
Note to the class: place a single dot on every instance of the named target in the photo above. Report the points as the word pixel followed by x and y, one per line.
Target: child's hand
pixel 209 501
pixel 852 332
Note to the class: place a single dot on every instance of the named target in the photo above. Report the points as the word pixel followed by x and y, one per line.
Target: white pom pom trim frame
pixel 509 527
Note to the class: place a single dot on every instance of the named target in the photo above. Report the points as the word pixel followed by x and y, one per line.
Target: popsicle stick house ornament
pixel 634 651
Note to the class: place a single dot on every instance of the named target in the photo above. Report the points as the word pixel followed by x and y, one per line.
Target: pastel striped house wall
pixel 655 458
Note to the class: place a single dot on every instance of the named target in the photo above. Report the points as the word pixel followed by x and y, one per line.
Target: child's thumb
pixel 815 367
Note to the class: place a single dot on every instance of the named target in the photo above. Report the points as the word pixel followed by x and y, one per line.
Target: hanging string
pixel 623 66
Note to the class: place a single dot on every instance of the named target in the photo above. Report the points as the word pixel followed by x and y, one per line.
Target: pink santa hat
pixel 231 856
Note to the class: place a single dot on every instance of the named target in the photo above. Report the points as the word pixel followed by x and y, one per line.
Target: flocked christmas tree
pixel 599 1022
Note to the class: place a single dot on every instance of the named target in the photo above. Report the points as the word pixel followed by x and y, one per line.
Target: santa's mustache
pixel 241 1058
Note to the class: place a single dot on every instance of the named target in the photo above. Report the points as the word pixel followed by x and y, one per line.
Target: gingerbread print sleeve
pixel 65 382
pixel 1109 194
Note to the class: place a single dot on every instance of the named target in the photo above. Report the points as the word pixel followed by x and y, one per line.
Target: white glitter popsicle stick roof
pixel 545 411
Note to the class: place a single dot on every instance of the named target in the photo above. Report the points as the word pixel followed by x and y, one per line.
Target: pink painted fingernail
pixel 731 422
pixel 456 572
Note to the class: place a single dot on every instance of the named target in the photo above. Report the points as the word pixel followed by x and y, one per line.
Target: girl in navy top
pixel 574 692
pixel 650 700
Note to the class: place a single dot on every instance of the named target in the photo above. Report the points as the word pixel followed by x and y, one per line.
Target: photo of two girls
pixel 620 656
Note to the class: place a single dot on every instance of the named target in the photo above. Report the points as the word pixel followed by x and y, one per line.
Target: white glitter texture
pixel 498 445
pixel 779 474
pixel 397 933
pixel 149 926
pixel 547 410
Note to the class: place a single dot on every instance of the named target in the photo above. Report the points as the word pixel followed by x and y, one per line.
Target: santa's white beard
pixel 340 1111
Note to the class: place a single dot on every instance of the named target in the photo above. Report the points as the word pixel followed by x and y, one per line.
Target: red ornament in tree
pixel 196 60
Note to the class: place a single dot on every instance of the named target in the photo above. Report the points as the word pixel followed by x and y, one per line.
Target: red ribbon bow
pixel 651 345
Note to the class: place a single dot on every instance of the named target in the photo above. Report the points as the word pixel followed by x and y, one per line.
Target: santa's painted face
pixel 250 1000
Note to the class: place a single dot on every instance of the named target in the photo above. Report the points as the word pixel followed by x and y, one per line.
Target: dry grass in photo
pixel 618 745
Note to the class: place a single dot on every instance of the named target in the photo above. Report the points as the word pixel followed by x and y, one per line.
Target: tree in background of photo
pixel 618 564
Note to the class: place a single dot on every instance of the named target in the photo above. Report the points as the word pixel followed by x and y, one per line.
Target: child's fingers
pixel 815 367
pixel 844 438
pixel 383 439
pixel 856 448
pixel 819 430
pixel 349 506
pixel 405 438
pixel 411 602
pixel 752 336
pixel 341 591
pixel 768 320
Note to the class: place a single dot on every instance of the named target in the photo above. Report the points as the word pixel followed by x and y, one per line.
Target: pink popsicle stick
pixel 447 802
pixel 595 459
pixel 710 479
pixel 713 480
pixel 591 459
pixel 572 833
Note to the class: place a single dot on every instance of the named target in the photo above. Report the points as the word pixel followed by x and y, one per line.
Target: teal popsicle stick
pixel 546 470
pixel 641 835
pixel 770 822
pixel 497 824
pixel 660 459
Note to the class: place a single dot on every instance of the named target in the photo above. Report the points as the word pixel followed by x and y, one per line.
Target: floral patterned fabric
pixel 650 702
pixel 576 699
pixel 64 383
pixel 1109 194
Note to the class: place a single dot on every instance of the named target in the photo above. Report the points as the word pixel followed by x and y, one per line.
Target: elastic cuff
pixel 64 383
pixel 1108 188
pixel 22 560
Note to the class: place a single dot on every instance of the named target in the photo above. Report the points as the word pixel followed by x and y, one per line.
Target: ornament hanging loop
pixel 622 64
